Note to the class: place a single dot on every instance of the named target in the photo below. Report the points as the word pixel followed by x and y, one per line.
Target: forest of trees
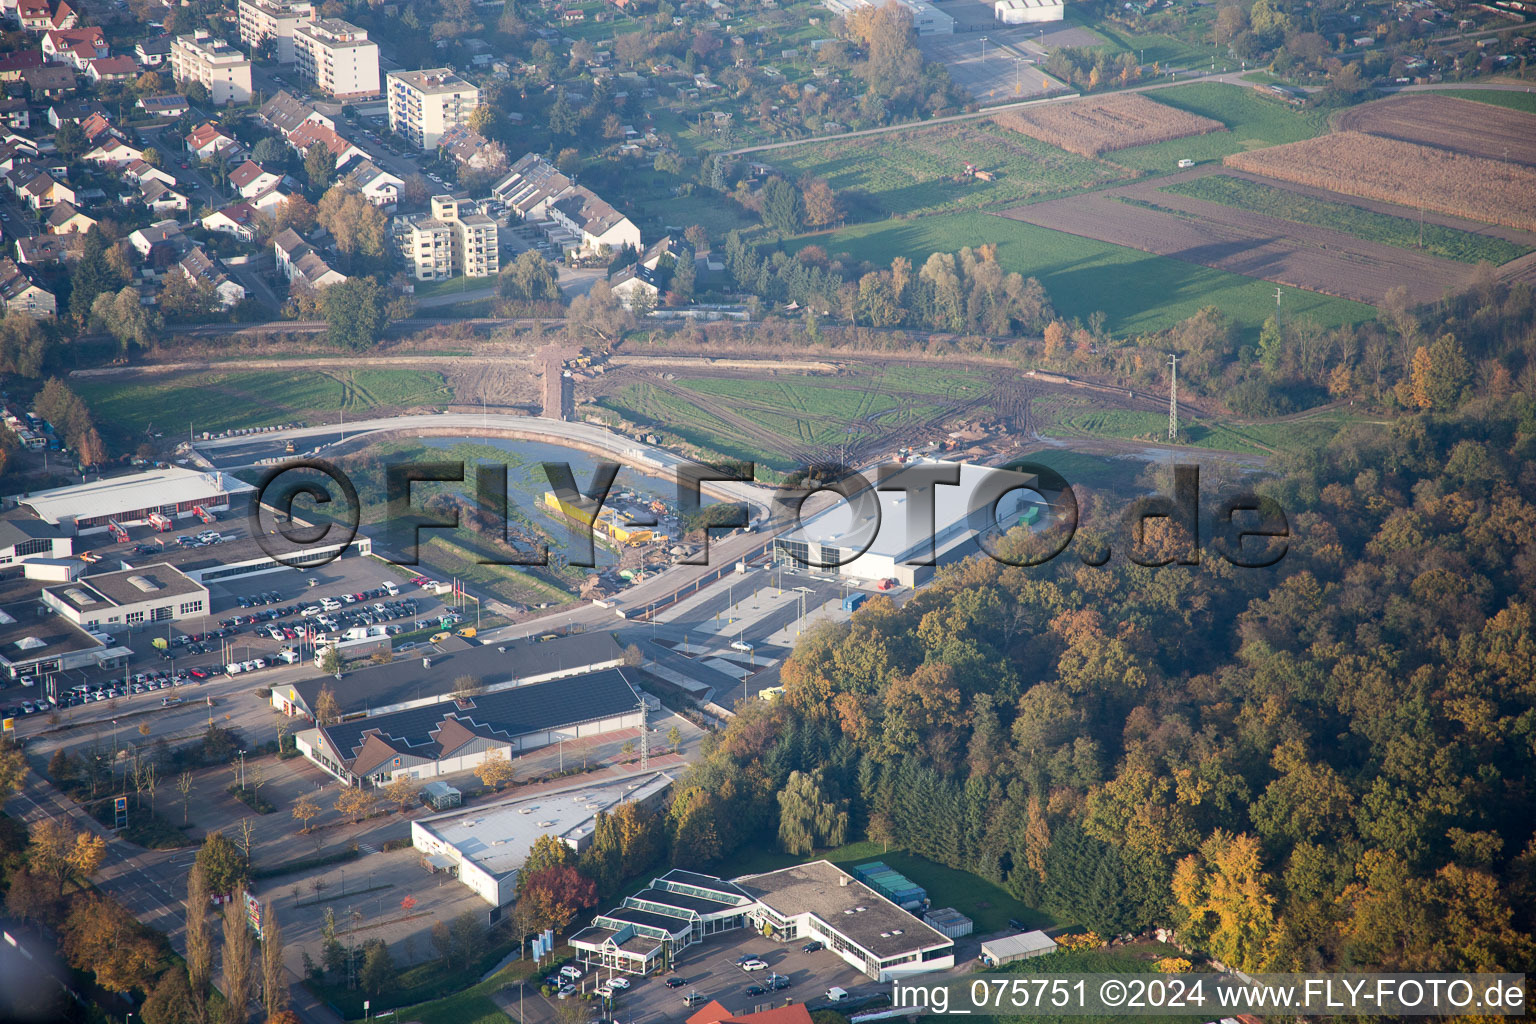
pixel 1321 764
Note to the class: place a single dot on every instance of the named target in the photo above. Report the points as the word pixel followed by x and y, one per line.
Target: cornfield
pixel 1091 127
pixel 1371 167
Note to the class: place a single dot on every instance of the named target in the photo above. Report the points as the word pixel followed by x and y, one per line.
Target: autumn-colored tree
pixel 403 792
pixel 199 941
pixel 101 937
pixel 495 770
pixel 274 981
pixel 238 978
pixel 556 894
pixel 1224 895
pixel 56 851
pixel 327 707
pixel 355 802
pixel 820 203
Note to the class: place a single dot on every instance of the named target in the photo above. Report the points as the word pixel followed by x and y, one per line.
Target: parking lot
pixel 239 629
pixel 711 970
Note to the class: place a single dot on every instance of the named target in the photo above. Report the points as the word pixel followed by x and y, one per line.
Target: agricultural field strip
pixel 915 172
pixel 1321 208
pixel 1464 126
pixel 1380 168
pixel 1093 127
pixel 1225 238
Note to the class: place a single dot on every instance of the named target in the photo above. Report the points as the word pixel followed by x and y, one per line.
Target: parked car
pixel 675 983
pixel 813 947
pixel 618 983
pixel 756 990
pixel 566 991
pixel 755 965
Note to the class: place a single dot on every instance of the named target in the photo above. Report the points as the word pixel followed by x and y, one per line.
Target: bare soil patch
pixel 1465 126
pixel 1247 243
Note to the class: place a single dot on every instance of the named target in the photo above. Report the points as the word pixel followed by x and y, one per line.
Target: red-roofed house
pixel 238 220
pixel 206 141
pixel 74 45
pixel 113 152
pixel 111 69
pixel 714 1013
pixel 311 134
pixel 13 64
pixel 250 179
pixel 34 15
pixel 63 16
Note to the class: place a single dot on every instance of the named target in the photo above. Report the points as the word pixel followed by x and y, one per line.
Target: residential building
pixel 163 106
pixel 164 232
pixel 250 179
pixel 50 81
pixel 470 149
pixel 162 198
pixel 61 46
pixel 15 115
pixel 276 20
pixel 582 220
pixel 14 63
pixel 64 219
pixel 425 104
pixel 153 52
pixel 299 262
pixel 40 249
pixel 224 71
pixel 21 295
pixel 42 192
pixel 373 183
pixel 238 219
pixel 204 270
pixel 111 69
pixel 141 171
pixel 206 141
pixel 112 152
pixel 313 133
pixel 284 112
pixel 634 282
pixel 455 239
pixel 338 58
pixel 596 225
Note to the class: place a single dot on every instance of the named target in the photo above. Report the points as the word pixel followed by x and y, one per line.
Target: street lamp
pixel 242 771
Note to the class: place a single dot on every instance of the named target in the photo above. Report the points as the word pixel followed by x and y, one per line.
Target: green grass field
pixel 1403 232
pixel 1253 122
pixel 1140 292
pixel 910 172
pixel 1525 101
pixel 213 402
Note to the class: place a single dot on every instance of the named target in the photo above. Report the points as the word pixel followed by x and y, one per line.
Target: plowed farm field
pixel 1464 126
pixel 1092 127
pixel 1317 259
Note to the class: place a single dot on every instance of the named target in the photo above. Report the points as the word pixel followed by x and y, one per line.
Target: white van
pixel 391 589
pixel 836 995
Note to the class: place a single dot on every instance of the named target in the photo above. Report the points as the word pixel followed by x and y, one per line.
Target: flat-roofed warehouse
pixel 457 735
pixel 1024 12
pixel 487 846
pixel 430 677
pixel 129 599
pixel 36 641
pixel 172 492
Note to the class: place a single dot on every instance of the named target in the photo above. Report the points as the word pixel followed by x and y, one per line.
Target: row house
pixel 300 263
pixel 21 294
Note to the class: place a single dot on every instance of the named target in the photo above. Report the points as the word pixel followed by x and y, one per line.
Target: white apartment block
pixel 224 71
pixel 425 104
pixel 456 239
pixel 261 20
pixel 338 58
